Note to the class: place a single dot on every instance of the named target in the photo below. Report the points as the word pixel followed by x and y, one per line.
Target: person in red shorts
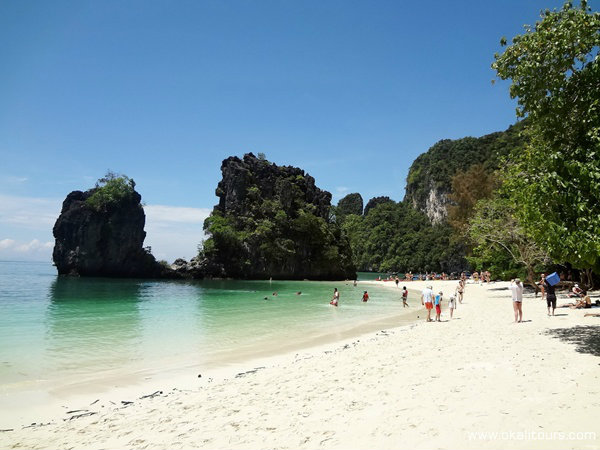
pixel 365 297
pixel 438 306
pixel 427 300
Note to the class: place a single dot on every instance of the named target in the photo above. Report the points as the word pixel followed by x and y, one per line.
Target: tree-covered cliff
pixel 429 179
pixel 397 237
pixel 272 221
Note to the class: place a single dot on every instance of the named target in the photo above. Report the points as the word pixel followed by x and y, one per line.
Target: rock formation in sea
pixel 100 232
pixel 273 221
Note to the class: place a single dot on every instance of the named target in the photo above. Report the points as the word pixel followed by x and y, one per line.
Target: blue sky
pixel 350 91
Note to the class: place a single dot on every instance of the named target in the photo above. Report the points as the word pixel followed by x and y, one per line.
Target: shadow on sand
pixel 586 338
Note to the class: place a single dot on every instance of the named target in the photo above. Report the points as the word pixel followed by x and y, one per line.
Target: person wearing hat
pixel 516 288
pixel 577 291
pixel 427 300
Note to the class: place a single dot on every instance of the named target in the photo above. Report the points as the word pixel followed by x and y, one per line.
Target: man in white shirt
pixel 516 288
pixel 427 300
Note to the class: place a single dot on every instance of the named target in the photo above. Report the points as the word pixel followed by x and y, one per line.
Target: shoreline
pixel 416 386
pixel 44 403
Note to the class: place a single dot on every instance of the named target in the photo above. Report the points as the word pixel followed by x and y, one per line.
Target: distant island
pixel 274 222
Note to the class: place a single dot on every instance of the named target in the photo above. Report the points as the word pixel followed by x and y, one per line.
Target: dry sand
pixel 427 385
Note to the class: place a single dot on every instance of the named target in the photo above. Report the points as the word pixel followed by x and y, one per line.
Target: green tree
pixel 111 190
pixel 497 234
pixel 350 204
pixel 554 183
pixel 468 187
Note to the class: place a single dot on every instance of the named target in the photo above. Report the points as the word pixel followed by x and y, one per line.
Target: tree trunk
pixel 587 279
pixel 531 279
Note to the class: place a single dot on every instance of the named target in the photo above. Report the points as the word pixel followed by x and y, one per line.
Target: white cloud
pixel 14 180
pixel 174 231
pixel 29 212
pixel 7 243
pixel 33 250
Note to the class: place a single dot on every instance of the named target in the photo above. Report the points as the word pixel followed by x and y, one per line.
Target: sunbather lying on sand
pixel 585 302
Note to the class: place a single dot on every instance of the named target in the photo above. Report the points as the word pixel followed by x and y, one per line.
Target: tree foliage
pixel 501 241
pixel 111 190
pixel 554 183
pixel 372 203
pixel 436 168
pixel 265 227
pixel 468 188
pixel 396 237
pixel 350 204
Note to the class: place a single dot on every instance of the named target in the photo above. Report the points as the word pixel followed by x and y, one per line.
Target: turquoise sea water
pixel 52 328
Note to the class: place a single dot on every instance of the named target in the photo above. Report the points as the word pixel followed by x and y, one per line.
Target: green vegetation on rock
pixel 111 190
pixel 273 221
pixel 397 237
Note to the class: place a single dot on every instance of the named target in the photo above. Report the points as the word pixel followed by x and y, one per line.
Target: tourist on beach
pixel 550 294
pixel 460 289
pixel 438 306
pixel 516 288
pixel 427 300
pixel 397 280
pixel 365 297
pixel 451 304
pixel 585 302
pixel 404 297
pixel 577 291
pixel 542 284
pixel 336 297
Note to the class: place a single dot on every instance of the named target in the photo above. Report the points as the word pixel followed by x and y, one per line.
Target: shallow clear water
pixel 53 327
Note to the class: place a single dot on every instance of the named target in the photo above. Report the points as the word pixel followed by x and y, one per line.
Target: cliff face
pixel 103 242
pixel 430 176
pixel 273 221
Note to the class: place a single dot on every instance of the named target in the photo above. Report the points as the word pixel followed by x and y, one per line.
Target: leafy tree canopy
pixel 554 183
pixel 350 204
pixel 111 190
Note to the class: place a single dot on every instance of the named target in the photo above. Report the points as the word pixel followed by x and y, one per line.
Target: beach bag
pixel 553 279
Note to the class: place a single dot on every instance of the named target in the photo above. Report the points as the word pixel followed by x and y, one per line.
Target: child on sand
pixel 452 304
pixel 438 306
pixel 365 297
pixel 404 297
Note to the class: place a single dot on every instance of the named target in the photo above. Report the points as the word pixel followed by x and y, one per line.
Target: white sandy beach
pixel 427 385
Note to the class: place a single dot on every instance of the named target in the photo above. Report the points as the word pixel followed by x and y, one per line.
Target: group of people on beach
pixel 548 290
pixel 431 301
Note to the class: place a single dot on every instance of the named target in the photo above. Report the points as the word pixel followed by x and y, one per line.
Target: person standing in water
pixel 365 297
pixel 404 297
pixel 336 297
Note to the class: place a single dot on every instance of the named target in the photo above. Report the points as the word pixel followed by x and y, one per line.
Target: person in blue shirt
pixel 438 306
